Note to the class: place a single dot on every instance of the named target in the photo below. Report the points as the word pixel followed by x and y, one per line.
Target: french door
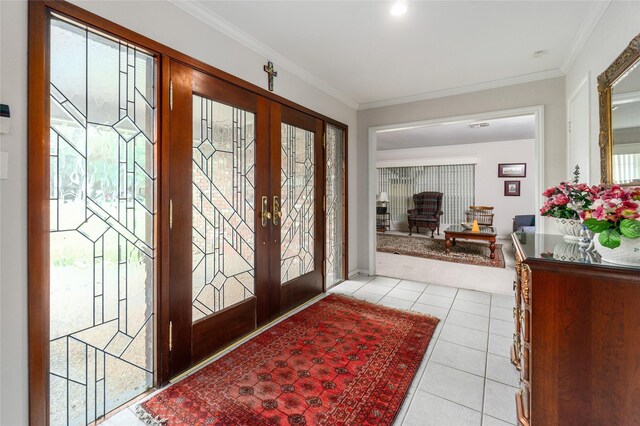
pixel 297 179
pixel 245 203
pixel 170 212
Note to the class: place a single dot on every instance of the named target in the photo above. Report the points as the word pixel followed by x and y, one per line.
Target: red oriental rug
pixel 340 361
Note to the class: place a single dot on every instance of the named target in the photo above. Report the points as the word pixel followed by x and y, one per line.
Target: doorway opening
pixel 434 155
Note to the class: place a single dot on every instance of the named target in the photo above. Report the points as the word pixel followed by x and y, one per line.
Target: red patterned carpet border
pixel 340 361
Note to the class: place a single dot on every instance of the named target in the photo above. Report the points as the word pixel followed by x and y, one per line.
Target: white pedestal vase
pixel 569 228
pixel 628 253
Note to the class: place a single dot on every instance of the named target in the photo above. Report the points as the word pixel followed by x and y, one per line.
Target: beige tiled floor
pixel 466 377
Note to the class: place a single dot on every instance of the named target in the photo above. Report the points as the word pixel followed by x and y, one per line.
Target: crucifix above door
pixel 271 74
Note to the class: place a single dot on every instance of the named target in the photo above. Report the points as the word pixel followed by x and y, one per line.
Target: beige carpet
pixel 469 252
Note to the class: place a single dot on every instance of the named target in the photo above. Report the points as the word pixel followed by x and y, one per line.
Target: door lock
pixel 277 214
pixel 265 214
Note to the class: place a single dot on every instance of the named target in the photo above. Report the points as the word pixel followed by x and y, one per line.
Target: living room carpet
pixel 471 252
pixel 339 361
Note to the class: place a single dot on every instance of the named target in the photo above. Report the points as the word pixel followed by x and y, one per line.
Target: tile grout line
pixel 437 339
pixel 486 365
pixel 454 402
pixel 428 358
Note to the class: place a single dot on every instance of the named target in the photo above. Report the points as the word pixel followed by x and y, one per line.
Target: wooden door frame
pixel 39 12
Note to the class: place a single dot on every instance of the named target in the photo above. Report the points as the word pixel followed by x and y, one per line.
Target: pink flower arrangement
pixel 568 201
pixel 614 213
pixel 614 204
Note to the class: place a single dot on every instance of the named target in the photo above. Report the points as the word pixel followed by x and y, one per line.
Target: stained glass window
pixel 335 184
pixel 102 196
pixel 223 231
pixel 297 202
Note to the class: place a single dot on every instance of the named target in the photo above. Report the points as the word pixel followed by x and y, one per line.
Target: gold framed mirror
pixel 619 100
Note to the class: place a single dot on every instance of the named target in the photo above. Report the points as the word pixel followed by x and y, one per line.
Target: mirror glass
pixel 625 124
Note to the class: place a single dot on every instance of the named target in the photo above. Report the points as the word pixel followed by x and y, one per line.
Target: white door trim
pixel 576 92
pixel 537 111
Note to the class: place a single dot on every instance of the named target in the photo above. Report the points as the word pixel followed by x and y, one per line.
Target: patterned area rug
pixel 339 361
pixel 471 252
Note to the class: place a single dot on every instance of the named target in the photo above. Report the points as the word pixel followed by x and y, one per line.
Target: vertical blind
pixel 456 182
pixel 626 168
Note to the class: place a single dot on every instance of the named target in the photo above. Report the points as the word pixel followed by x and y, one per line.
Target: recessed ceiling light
pixel 478 125
pixel 398 8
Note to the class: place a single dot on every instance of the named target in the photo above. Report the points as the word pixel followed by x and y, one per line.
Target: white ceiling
pixel 357 51
pixel 503 129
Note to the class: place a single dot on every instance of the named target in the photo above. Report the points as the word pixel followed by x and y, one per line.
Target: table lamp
pixel 382 199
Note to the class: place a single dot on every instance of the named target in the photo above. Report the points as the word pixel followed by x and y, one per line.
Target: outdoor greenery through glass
pixel 102 242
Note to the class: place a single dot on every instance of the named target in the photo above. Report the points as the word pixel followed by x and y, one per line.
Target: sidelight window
pixel 102 216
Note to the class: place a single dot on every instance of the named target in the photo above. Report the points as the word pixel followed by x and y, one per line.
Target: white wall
pixel 169 25
pixel 618 25
pixel 549 93
pixel 489 188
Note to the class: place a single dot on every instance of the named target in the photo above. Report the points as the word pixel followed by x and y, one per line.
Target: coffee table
pixel 486 233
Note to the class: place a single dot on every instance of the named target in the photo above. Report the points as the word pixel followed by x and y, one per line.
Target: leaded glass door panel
pixel 335 205
pixel 297 176
pixel 214 186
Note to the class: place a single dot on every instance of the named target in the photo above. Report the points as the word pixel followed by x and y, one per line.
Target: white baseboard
pixel 358 271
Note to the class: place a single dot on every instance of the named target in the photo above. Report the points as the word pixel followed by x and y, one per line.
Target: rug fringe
pixel 148 418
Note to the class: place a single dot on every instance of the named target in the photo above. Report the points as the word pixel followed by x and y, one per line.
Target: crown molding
pixel 527 78
pixel 220 24
pixel 584 32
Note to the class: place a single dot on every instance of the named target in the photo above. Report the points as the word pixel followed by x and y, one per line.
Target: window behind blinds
pixel 456 182
pixel 626 168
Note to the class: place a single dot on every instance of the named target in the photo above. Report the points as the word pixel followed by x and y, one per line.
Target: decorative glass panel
pixel 297 202
pixel 223 231
pixel 102 196
pixel 335 205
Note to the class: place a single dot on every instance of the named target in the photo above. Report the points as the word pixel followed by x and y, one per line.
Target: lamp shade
pixel 383 197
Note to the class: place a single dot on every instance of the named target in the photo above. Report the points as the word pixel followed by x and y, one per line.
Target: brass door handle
pixel 277 214
pixel 265 214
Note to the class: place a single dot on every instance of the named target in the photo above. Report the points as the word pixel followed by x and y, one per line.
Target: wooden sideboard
pixel 577 336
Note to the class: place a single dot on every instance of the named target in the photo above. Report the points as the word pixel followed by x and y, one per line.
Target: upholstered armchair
pixel 427 211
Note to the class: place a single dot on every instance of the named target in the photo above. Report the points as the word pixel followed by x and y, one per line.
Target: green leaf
pixel 609 238
pixel 630 228
pixel 596 225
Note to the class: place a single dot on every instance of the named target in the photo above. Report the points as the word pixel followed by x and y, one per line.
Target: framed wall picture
pixel 511 188
pixel 512 170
